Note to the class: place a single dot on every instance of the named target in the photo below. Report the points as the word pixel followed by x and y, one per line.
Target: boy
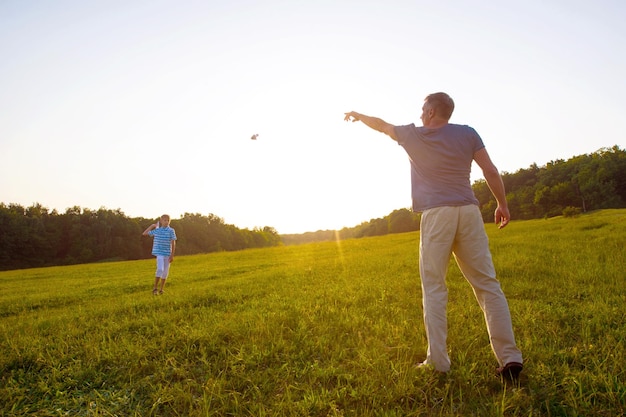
pixel 163 248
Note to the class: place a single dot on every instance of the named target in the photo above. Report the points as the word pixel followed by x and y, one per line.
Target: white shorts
pixel 163 266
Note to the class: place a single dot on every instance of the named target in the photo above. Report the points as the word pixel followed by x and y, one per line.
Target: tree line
pixel 35 236
pixel 562 187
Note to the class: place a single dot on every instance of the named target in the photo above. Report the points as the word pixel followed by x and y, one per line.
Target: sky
pixel 149 106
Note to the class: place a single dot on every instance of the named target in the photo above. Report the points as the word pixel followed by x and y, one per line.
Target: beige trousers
pixel 460 231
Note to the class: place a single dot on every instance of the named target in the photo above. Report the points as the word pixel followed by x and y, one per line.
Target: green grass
pixel 326 329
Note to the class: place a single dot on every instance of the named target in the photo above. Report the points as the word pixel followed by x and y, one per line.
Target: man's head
pixel 437 109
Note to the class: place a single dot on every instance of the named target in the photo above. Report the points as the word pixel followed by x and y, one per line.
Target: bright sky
pixel 149 106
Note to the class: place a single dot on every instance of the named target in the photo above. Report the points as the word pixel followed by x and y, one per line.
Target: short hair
pixel 165 217
pixel 441 103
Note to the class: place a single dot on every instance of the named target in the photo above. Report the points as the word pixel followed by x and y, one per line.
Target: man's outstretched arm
pixel 373 123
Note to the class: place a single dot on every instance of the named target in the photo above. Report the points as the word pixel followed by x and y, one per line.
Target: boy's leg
pixel 161 272
pixel 165 273
pixel 156 283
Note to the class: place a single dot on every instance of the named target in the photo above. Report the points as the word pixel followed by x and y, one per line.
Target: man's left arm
pixel 495 184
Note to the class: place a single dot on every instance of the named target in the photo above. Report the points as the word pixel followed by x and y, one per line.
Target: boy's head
pixel 164 220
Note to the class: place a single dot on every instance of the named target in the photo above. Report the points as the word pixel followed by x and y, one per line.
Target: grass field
pixel 326 329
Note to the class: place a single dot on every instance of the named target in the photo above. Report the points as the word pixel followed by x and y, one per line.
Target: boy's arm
pixel 173 250
pixel 151 227
pixel 373 123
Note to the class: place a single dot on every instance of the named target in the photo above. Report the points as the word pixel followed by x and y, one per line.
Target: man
pixel 441 156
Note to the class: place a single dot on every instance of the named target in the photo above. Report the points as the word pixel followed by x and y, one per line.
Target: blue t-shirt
pixel 163 236
pixel 441 162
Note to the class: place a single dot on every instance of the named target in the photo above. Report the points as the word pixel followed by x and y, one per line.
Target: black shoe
pixel 510 371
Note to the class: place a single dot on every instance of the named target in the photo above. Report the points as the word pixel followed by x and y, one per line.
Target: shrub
pixel 570 211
